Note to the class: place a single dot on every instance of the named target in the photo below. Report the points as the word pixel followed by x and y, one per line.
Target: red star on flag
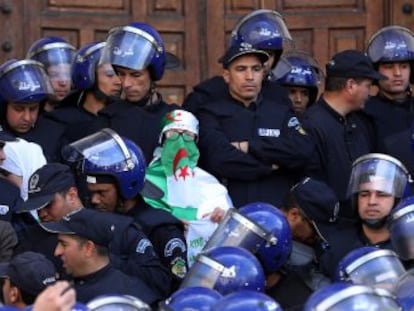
pixel 184 172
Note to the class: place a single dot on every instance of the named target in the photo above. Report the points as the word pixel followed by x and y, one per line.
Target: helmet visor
pixel 402 234
pixel 54 53
pixel 358 298
pixel 205 272
pixel 378 173
pixel 130 48
pixel 236 230
pixel 391 44
pixel 264 29
pixel 104 150
pixel 381 270
pixel 25 81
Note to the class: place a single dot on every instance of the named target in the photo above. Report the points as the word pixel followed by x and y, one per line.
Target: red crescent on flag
pixel 181 153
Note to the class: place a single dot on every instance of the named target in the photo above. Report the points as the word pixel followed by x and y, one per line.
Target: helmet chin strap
pixel 375 223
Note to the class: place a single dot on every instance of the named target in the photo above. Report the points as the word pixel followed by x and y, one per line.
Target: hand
pixel 243 146
pixel 57 297
pixel 217 215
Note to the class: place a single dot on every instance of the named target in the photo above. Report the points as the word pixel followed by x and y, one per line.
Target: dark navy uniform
pixel 216 88
pixel 73 116
pixel 279 148
pixel 290 291
pixel 9 199
pixel 389 117
pixel 341 243
pixel 130 251
pixel 48 134
pixel 141 125
pixel 166 233
pixel 339 141
pixel 111 281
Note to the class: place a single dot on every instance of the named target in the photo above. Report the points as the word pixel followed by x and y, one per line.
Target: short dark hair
pixel 27 298
pixel 100 250
pixel 338 83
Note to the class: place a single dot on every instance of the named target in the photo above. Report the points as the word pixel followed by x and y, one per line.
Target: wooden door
pixel 401 13
pixel 80 21
pixel 12 32
pixel 320 27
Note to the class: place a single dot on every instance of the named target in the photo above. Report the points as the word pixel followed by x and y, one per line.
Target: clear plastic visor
pixel 381 271
pixel 132 50
pixel 391 44
pixel 23 79
pixel 279 29
pixel 205 272
pixel 104 149
pixel 358 298
pixel 52 54
pixel 402 235
pixel 378 174
pixel 237 230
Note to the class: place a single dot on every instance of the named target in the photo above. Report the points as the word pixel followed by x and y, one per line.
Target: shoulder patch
pixel 142 245
pixel 173 244
pixel 4 209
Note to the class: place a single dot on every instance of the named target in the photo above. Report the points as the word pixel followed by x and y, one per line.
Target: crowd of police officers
pixel 317 164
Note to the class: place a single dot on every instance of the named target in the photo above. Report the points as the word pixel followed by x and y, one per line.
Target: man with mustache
pixel 250 143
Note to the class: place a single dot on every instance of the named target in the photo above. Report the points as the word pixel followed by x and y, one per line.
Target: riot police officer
pixel 302 80
pixel 114 169
pixel 137 53
pixel 56 55
pixel 95 86
pixel 23 86
pixel 263 29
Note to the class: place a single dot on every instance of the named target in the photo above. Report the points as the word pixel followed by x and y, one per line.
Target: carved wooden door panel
pixel 80 21
pixel 320 27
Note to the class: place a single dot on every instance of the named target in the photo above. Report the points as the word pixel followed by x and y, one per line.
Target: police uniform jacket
pixel 279 148
pixel 339 142
pixel 389 117
pixel 130 251
pixel 216 88
pixel 9 199
pixel 342 243
pixel 142 126
pixel 71 114
pixel 166 233
pixel 109 281
pixel 49 134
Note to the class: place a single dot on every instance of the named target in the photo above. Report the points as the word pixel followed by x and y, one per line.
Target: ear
pixel 226 75
pixel 14 294
pixel 90 248
pixel 72 195
pixel 293 215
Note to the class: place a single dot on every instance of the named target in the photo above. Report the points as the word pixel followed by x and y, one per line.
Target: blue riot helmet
pixel 350 297
pixel 191 298
pixel 302 71
pixel 24 81
pixel 392 44
pixel 51 51
pixel 226 269
pixel 401 227
pixel 261 229
pixel 117 302
pixel 104 154
pixel 404 290
pixel 57 56
pixel 84 65
pixel 377 172
pixel 136 46
pixel 247 301
pixel 263 29
pixel 371 266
